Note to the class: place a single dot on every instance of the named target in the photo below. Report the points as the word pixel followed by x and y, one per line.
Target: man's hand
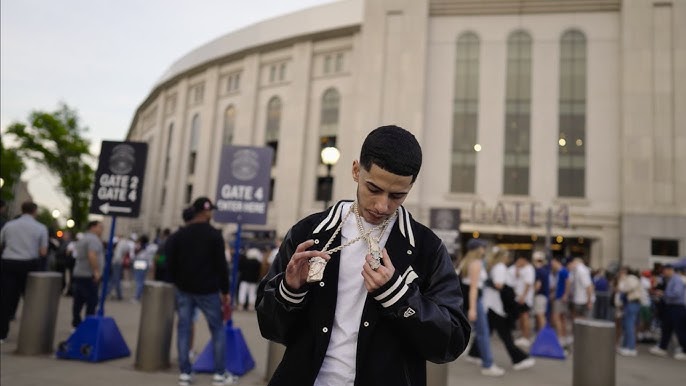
pixel 298 266
pixel 471 314
pixel 374 280
pixel 97 277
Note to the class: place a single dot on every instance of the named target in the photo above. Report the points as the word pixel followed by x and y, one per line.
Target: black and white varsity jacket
pixel 415 317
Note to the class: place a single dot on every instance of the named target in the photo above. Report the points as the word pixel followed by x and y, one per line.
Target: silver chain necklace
pixel 317 264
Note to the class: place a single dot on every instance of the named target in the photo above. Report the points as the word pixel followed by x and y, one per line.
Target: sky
pixel 102 58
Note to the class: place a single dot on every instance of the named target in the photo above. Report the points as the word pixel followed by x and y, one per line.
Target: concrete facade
pixel 397 66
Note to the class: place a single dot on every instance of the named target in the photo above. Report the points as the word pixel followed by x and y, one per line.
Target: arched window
pixel 517 114
pixel 328 120
pixel 465 114
pixel 571 166
pixel 271 136
pixel 229 125
pixel 195 138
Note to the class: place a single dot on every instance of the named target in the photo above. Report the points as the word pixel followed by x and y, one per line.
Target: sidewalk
pixel 19 370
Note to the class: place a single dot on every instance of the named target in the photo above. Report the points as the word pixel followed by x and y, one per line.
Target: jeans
pixel 629 324
pixel 115 280
pixel 85 291
pixel 211 307
pixel 14 276
pixel 483 335
pixel 139 276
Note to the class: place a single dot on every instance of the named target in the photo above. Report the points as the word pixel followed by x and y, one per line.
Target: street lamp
pixel 330 156
pixel 70 223
pixel 56 214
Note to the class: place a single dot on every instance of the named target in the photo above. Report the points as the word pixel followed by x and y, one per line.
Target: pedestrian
pixel 629 287
pixel 249 271
pixel 473 275
pixel 524 276
pixel 124 247
pixel 161 266
pixel 90 260
pixel 23 242
pixel 145 252
pixel 582 289
pixel 362 293
pixel 674 317
pixel 541 289
pixel 198 269
pixel 503 308
pixel 559 295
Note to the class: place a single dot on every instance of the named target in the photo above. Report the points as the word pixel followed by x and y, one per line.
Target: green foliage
pixel 11 167
pixel 44 216
pixel 56 141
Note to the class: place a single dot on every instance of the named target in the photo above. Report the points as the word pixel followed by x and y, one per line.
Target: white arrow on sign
pixel 106 208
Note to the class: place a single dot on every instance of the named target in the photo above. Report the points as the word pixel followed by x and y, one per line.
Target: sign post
pixel 117 191
pixel 243 190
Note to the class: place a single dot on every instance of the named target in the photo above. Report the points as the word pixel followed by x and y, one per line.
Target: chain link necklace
pixel 317 264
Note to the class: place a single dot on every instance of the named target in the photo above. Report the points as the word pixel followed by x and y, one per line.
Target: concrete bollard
pixel 436 374
pixel 39 314
pixel 594 353
pixel 275 352
pixel 156 326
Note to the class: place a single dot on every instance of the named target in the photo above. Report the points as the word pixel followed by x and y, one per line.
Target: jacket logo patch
pixel 409 312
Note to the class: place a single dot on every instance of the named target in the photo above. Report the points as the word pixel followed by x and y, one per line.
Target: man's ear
pixel 356 171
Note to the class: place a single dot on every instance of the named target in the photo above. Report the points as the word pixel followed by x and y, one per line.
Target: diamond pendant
pixel 316 270
pixel 375 251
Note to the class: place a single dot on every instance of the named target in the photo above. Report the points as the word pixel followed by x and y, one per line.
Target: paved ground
pixel 20 370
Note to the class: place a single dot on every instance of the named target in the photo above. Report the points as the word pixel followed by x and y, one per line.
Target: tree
pixel 56 141
pixel 11 167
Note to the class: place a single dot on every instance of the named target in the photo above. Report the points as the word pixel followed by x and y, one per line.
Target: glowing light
pixel 579 142
pixel 56 213
pixel 70 223
pixel 562 142
pixel 475 235
pixel 477 147
pixel 559 239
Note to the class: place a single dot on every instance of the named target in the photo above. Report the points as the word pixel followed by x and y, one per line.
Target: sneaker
pixel 525 364
pixel 224 379
pixel 471 359
pixel 185 379
pixel 493 371
pixel 680 356
pixel 522 342
pixel 627 352
pixel 656 350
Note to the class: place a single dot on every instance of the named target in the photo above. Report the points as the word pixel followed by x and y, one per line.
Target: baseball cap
pixel 203 203
pixel 475 243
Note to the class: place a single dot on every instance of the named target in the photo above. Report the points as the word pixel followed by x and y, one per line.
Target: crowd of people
pixel 647 307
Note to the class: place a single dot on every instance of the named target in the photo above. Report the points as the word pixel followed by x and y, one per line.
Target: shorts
pixel 560 306
pixel 540 304
pixel 581 310
pixel 523 308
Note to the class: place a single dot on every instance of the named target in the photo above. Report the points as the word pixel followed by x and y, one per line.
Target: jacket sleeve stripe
pixel 395 298
pixel 292 297
pixel 337 216
pixel 410 234
pixel 401 220
pixel 390 290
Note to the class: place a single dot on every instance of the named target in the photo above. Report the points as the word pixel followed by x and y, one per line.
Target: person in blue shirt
pixel 674 319
pixel 559 295
pixel 542 288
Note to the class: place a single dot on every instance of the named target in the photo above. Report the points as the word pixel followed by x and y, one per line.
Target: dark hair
pixel 393 149
pixel 93 223
pixel 143 239
pixel 29 207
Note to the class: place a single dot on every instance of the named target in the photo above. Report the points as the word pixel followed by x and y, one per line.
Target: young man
pixel 198 269
pixel 366 321
pixel 88 268
pixel 559 295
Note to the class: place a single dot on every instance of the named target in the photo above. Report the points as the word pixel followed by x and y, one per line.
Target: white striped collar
pixel 333 217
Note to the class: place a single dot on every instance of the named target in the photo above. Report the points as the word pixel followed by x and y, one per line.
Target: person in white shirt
pixel 496 292
pixel 582 289
pixel 524 276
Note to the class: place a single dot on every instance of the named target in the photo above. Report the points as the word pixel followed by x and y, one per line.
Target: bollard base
pixel 96 339
pixel 237 358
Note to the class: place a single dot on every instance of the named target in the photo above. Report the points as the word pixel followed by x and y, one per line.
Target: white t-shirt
pixel 581 281
pixel 339 366
pixel 491 296
pixel 521 277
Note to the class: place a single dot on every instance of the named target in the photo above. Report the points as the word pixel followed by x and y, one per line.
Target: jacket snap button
pixel 409 251
pixel 325 330
pixel 366 324
pixel 316 241
pixel 321 284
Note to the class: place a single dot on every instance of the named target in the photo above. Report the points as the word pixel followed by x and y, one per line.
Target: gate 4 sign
pixel 243 185
pixel 118 185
